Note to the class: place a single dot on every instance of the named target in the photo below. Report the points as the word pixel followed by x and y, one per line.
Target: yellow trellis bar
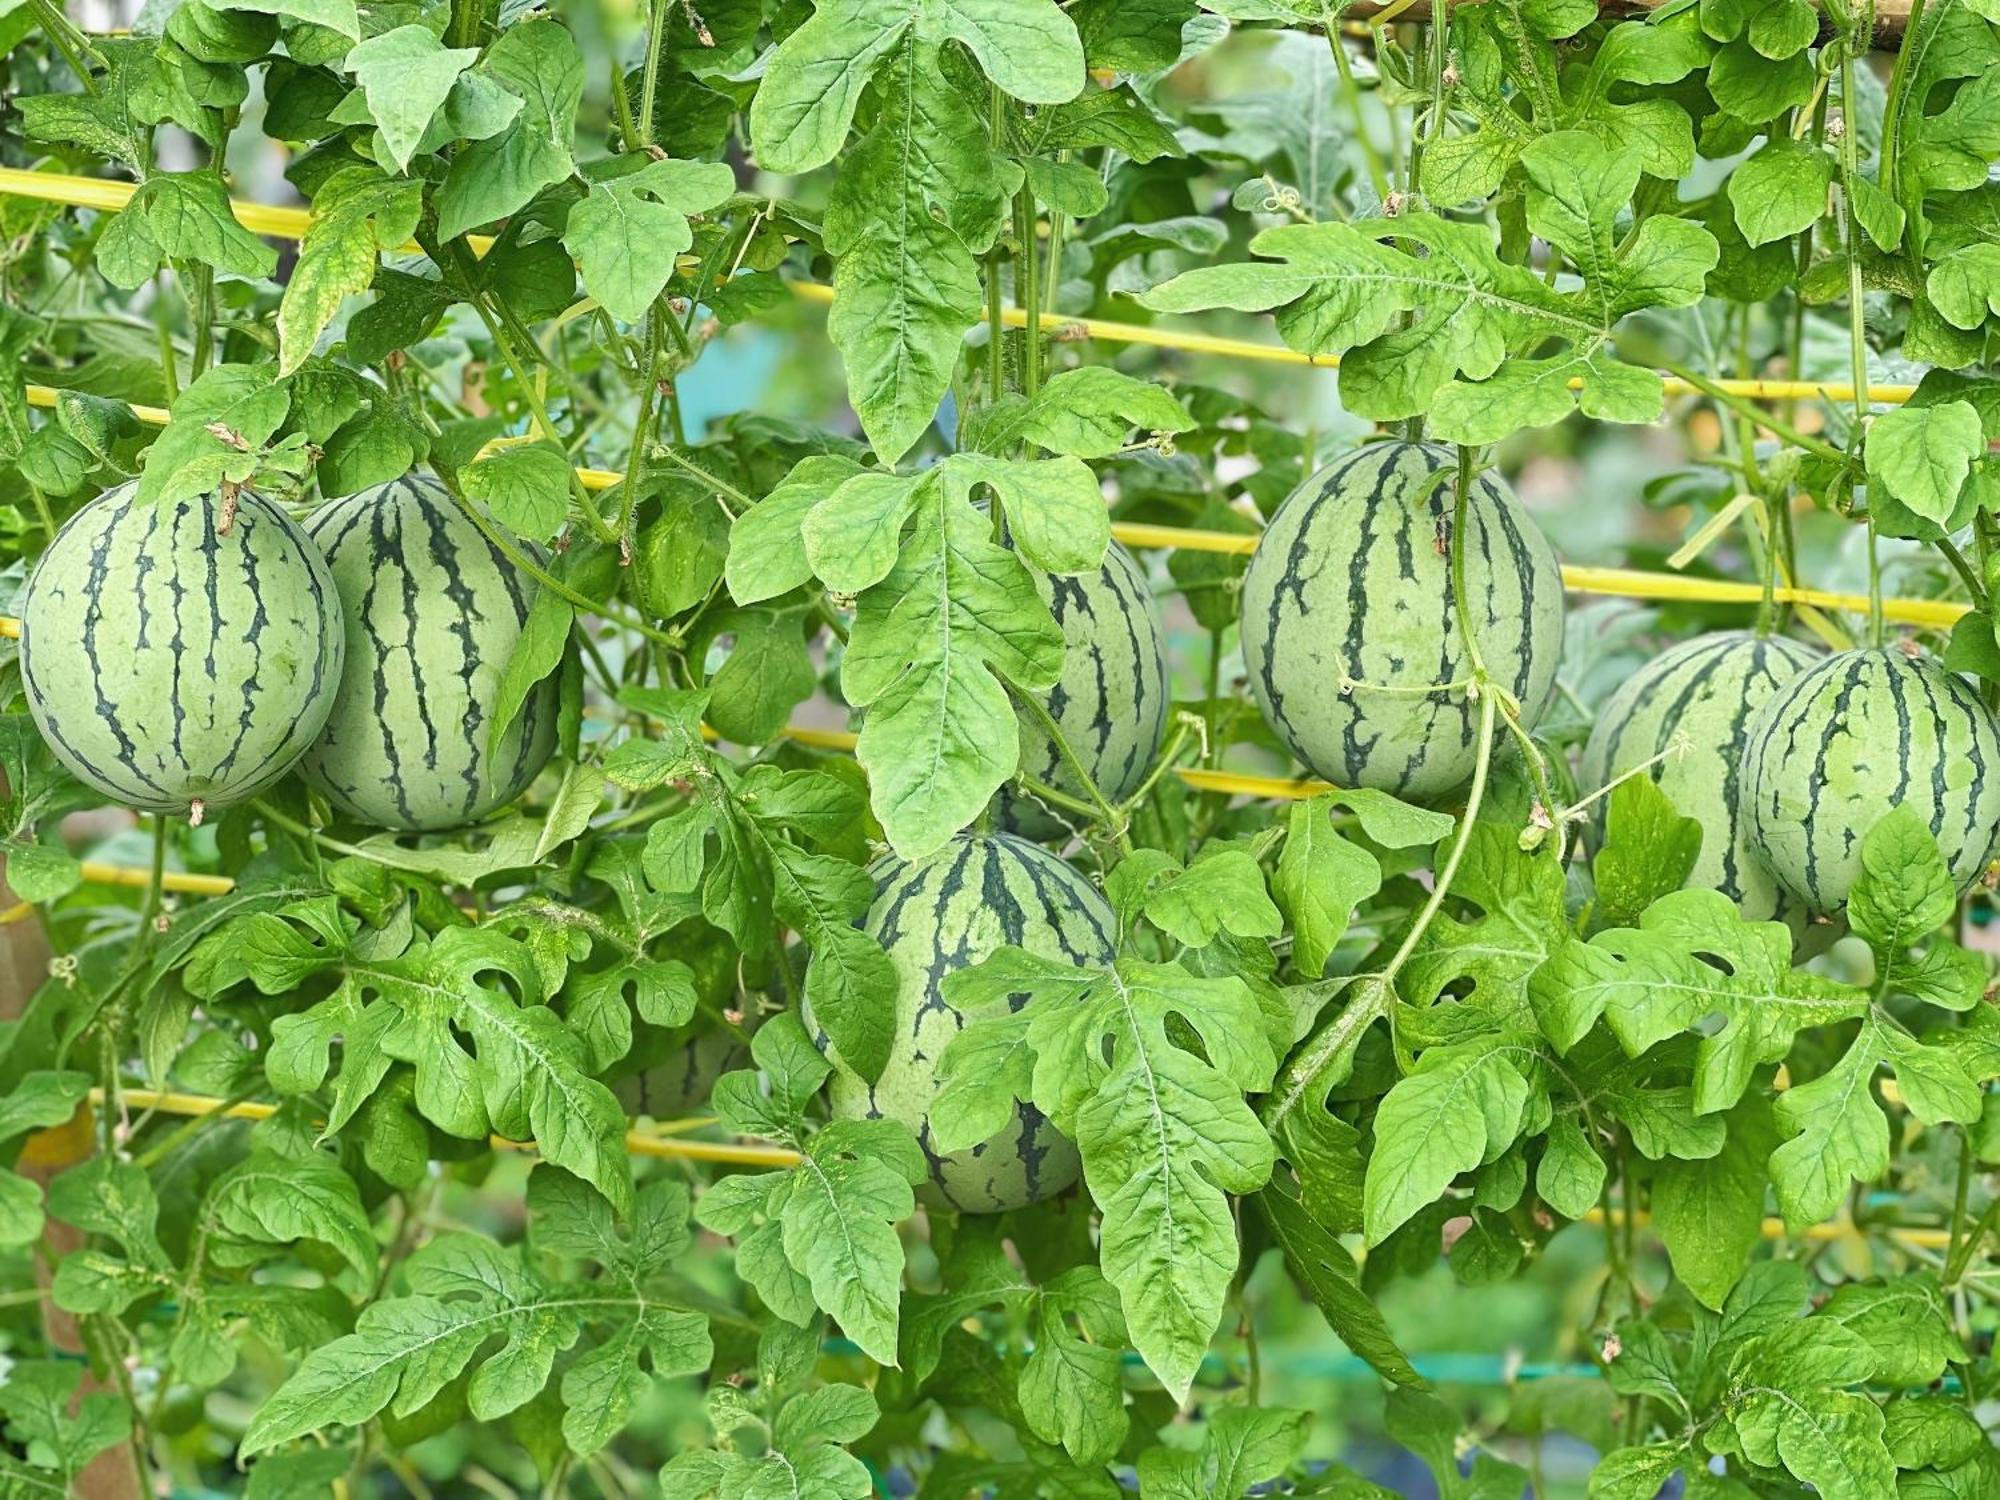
pixel 291 223
pixel 663 1141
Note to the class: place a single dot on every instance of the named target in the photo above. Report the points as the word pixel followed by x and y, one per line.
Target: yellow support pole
pixel 291 223
pixel 661 1143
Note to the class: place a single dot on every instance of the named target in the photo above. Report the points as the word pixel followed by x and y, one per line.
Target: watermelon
pixel 679 1082
pixel 1706 689
pixel 1111 703
pixel 180 658
pixel 1351 583
pixel 433 614
pixel 1830 753
pixel 943 913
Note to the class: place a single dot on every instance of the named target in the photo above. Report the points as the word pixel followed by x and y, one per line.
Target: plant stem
pixel 1162 764
pixel 1112 821
pixel 1878 627
pixel 1763 418
pixel 1378 175
pixel 648 88
pixel 70 42
pixel 1967 574
pixel 1027 294
pixel 641 430
pixel 1892 108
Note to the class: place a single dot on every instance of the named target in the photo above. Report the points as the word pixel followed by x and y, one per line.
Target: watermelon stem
pixel 1482 684
pixel 1114 822
pixel 1331 1047
pixel 1678 746
pixel 1184 725
pixel 1395 690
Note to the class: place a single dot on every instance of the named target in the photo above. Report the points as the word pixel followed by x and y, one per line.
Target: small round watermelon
pixel 433 612
pixel 180 658
pixel 943 913
pixel 1833 751
pixel 1347 608
pixel 1111 702
pixel 1705 689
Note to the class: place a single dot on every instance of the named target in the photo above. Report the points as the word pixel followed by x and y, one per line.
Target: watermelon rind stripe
pixel 1111 702
pixel 934 917
pixel 1854 736
pixel 433 614
pixel 210 658
pixel 1352 580
pixel 1708 689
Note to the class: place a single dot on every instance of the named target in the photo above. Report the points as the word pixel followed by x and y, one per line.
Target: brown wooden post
pixel 24 965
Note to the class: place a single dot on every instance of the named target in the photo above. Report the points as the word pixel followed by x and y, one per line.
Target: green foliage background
pixel 1369 1089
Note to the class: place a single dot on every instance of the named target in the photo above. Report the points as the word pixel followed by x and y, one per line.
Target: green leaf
pixel 1692 957
pixel 1837 1133
pixel 821 1234
pixel 179 216
pixel 60 1430
pixel 1571 1176
pixel 814 79
pixel 1781 190
pixel 1164 1134
pixel 537 61
pixel 1461 1107
pixel 466 1291
pixel 229 408
pixel 335 15
pixel 525 1082
pixel 268 1199
pixel 1243 1446
pixel 357 214
pixel 1964 286
pixel 1321 878
pixel 1922 454
pixel 1649 851
pixel 406 74
pixel 1055 511
pixel 525 485
pixel 1072 1389
pixel 803 1459
pixel 1788 1409
pixel 1710 1213
pixel 1090 411
pixel 916 201
pixel 626 232
pixel 1223 890
pixel 1326 1272
pixel 1904 892
pixel 954 611
pixel 39 873
pixel 767 548
pixel 849 983
pixel 1907 1322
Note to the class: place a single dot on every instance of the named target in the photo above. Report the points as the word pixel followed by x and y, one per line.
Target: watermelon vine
pixel 815 748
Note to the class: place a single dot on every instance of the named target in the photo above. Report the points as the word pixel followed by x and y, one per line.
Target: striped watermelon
pixel 1854 736
pixel 942 913
pixel 178 659
pixel 1706 689
pixel 1351 580
pixel 433 615
pixel 1111 703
